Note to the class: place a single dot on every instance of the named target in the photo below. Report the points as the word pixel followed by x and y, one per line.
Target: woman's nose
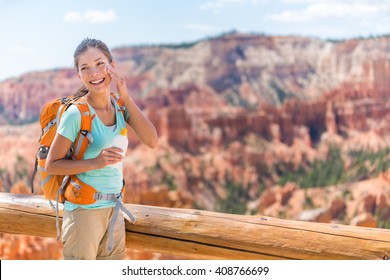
pixel 93 70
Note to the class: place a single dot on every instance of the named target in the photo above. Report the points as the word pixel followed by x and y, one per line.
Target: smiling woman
pixel 96 231
pixel 93 67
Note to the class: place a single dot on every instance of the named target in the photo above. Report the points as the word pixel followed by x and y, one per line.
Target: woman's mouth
pixel 97 82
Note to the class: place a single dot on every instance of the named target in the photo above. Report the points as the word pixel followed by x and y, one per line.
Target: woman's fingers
pixel 119 80
pixel 113 73
pixel 113 152
pixel 111 155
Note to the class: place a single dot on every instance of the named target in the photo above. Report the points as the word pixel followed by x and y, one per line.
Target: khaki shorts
pixel 85 234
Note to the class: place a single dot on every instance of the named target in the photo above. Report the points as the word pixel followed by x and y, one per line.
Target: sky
pixel 38 35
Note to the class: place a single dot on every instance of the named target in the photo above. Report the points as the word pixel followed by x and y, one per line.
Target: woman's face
pixel 92 70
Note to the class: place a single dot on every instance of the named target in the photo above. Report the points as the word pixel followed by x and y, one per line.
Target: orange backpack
pixel 55 186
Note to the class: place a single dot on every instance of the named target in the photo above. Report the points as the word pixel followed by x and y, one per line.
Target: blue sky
pixel 42 34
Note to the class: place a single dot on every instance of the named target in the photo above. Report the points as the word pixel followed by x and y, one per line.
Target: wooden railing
pixel 196 234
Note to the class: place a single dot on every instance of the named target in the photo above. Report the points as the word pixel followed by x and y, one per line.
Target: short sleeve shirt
pixel 107 179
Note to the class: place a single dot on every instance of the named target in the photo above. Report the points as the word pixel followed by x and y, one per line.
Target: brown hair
pixel 81 48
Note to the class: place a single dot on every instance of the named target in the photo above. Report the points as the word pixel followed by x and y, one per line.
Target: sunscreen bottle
pixel 120 141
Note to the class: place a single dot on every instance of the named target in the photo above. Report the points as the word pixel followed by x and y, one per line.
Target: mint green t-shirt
pixel 107 179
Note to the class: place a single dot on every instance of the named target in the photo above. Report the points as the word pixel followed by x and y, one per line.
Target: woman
pixel 86 229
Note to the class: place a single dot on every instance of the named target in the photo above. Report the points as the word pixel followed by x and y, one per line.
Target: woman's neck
pixel 99 101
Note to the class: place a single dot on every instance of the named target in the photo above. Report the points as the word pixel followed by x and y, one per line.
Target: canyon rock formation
pixel 291 127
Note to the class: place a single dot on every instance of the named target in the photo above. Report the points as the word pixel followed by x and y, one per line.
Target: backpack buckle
pixel 84 132
pixel 64 99
pixel 88 135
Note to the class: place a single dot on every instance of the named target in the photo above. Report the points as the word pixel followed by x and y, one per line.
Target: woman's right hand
pixel 108 156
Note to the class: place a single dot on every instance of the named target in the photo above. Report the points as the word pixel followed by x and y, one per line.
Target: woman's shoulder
pixel 72 112
pixel 72 109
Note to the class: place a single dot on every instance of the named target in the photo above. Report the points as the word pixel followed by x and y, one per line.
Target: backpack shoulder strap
pixel 84 137
pixel 120 103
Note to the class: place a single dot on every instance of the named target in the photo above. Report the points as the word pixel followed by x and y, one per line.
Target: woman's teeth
pixel 97 81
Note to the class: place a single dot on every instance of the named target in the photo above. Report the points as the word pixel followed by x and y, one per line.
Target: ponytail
pixel 81 92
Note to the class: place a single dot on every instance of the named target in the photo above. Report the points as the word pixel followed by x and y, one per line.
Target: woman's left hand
pixel 119 81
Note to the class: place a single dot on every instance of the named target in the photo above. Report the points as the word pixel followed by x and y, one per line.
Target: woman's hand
pixel 142 127
pixel 57 163
pixel 108 156
pixel 119 81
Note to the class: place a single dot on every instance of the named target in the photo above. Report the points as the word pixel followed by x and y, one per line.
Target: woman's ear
pixel 113 63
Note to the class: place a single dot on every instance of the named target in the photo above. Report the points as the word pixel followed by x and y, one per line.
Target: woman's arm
pixel 143 128
pixel 57 163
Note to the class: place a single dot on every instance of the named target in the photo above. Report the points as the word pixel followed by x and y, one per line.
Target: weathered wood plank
pixel 274 237
pixel 190 249
pixel 208 235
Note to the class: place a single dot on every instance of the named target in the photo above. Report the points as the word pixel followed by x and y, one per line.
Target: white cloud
pixel 91 16
pixel 19 49
pixel 220 4
pixel 319 9
pixel 73 17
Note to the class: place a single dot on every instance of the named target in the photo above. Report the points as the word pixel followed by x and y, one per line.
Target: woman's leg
pixel 83 231
pixel 119 244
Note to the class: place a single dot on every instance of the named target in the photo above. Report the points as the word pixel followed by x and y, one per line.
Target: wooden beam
pixel 196 234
